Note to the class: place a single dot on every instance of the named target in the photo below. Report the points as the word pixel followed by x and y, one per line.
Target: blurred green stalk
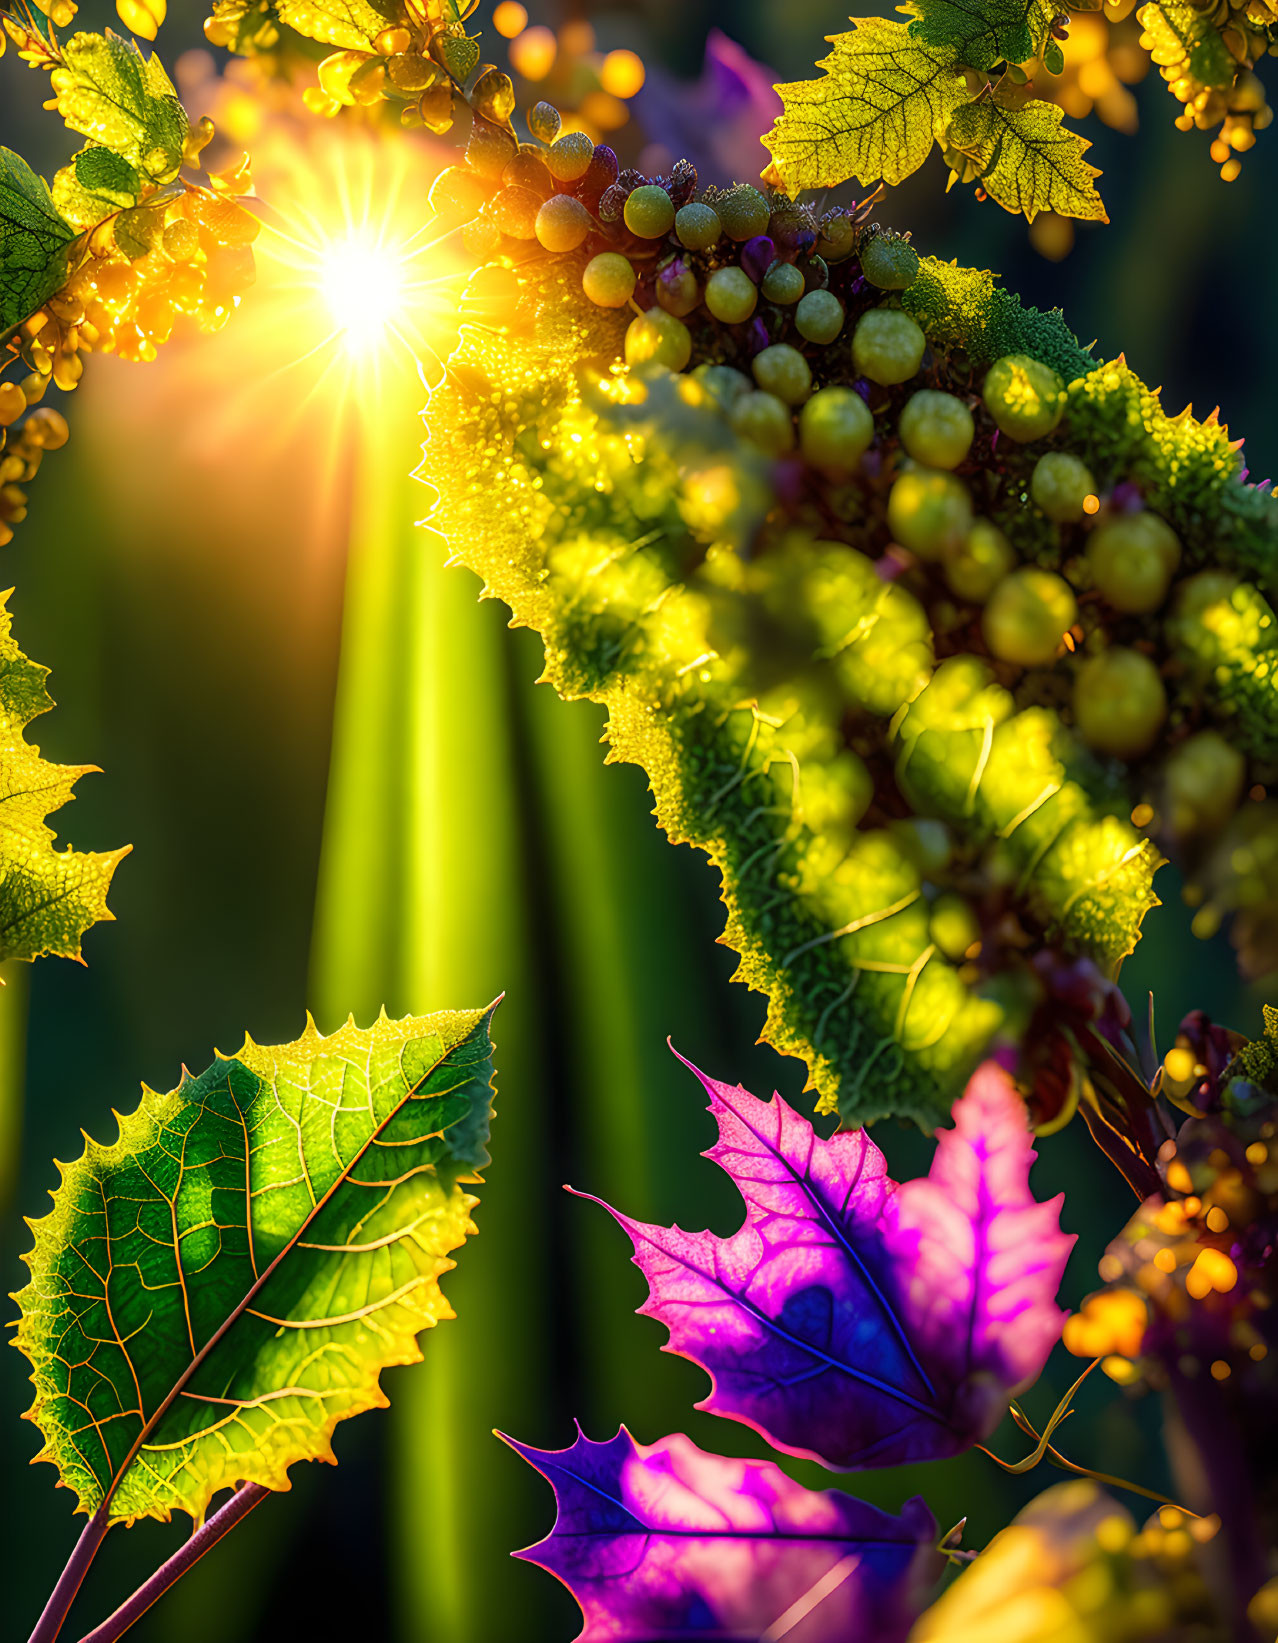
pixel 13 1056
pixel 471 847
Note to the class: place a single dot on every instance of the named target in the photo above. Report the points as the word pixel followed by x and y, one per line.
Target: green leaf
pixel 97 183
pixel 348 25
pixel 982 34
pixel 1053 57
pixel 211 1294
pixel 34 239
pixel 48 897
pixel 109 91
pixel 884 100
pixel 1028 161
pixel 1186 43
pixel 460 54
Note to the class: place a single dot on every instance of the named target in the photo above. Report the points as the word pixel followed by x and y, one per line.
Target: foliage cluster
pixel 977 79
pixel 935 634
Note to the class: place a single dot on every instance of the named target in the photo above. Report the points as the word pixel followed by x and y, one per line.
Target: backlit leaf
pixel 1029 161
pixel 851 1320
pixel 347 25
pixel 884 100
pixel 97 182
pixel 983 32
pixel 662 1540
pixel 33 241
pixel 212 1293
pixel 110 91
pixel 48 897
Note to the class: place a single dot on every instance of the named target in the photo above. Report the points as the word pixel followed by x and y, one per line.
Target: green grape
pixel 744 212
pixel 724 383
pixel 731 295
pixel 609 280
pixel 697 226
pixel 984 558
pixel 765 421
pixel 1025 398
pixel 837 237
pixel 783 283
pixel 563 223
pixel 1196 597
pixel 887 346
pixel 677 290
pixel 819 317
pixel 836 429
pixel 783 371
pixel 889 262
pixel 544 122
pixel 1204 782
pixel 936 429
pixel 835 794
pixel 953 925
pixel 1061 484
pixel 1119 702
pixel 1133 557
pixel 1028 615
pixel 929 512
pixel 569 156
pixel 649 212
pixel 658 338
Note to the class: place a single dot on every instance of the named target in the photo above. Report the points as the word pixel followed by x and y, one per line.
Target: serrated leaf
pixel 48 897
pixel 95 184
pixel 982 34
pixel 110 91
pixel 662 1540
pixel 884 100
pixel 33 241
pixel 460 54
pixel 349 25
pixel 853 1321
pixel 213 1293
pixel 1186 41
pixel 1028 161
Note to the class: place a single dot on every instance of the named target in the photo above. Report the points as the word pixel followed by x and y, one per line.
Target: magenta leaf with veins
pixel 663 1541
pixel 855 1321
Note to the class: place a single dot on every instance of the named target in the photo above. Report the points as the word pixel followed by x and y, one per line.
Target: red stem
pixel 204 1538
pixel 63 1595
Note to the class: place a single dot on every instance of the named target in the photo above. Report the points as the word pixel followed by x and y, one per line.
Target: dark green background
pixel 192 620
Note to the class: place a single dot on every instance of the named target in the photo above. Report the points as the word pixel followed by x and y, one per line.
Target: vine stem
pixel 202 1540
pixel 77 1566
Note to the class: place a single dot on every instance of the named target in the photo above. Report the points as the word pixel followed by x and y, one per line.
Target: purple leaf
pixel 663 1541
pixel 851 1320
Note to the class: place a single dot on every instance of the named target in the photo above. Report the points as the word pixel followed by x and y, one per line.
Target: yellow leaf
pixel 1027 160
pixel 884 100
pixel 48 897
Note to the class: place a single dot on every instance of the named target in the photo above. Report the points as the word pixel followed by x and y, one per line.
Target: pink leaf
pixel 663 1541
pixel 848 1319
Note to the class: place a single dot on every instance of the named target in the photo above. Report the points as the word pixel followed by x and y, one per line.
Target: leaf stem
pixel 77 1566
pixel 202 1540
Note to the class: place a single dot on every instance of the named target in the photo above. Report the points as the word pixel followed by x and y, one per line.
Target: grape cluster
pixel 23 444
pixel 1241 32
pixel 197 264
pixel 969 587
